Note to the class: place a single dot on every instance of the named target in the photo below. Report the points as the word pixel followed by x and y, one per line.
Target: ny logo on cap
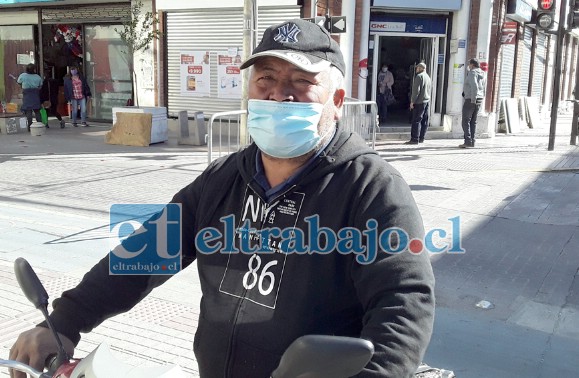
pixel 285 34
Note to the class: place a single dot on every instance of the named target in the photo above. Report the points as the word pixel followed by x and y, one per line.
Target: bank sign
pixel 402 24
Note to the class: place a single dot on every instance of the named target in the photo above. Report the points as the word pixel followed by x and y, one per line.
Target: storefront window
pixel 16 51
pixel 107 69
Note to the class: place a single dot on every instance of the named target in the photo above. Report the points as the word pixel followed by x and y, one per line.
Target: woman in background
pixel 31 83
pixel 76 93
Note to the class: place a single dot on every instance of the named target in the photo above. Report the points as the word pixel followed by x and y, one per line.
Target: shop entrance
pixel 99 53
pixel 402 53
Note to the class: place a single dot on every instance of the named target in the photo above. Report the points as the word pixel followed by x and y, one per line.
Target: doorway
pixel 62 47
pixel 402 53
pixel 101 57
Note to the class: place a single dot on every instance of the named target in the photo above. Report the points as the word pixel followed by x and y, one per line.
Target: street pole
pixel 249 43
pixel 557 76
pixel 574 123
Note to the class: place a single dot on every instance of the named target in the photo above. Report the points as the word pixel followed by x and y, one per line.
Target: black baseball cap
pixel 302 43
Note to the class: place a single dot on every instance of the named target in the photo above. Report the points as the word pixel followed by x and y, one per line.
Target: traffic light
pixel 573 14
pixel 546 14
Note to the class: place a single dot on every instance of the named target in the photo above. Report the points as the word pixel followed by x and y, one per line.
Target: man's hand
pixel 411 106
pixel 34 346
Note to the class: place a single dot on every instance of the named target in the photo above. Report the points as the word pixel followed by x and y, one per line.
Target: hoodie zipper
pixel 228 366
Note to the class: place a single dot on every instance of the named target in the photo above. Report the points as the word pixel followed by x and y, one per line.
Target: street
pixel 506 307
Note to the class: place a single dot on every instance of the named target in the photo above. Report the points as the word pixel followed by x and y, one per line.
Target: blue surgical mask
pixel 284 129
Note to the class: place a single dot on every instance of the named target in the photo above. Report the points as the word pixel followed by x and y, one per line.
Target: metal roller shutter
pixel 213 30
pixel 507 69
pixel 539 66
pixel 526 68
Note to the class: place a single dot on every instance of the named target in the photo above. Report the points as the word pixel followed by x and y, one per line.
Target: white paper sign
pixel 229 76
pixel 23 59
pixel 195 73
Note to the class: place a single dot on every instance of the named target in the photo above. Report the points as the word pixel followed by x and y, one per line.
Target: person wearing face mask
pixel 76 93
pixel 473 93
pixel 385 82
pixel 272 277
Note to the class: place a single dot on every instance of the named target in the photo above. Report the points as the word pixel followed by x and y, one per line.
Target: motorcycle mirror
pixel 322 356
pixel 30 284
pixel 36 293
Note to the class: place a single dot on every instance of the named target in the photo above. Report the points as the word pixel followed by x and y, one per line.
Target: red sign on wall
pixel 509 33
pixel 508 37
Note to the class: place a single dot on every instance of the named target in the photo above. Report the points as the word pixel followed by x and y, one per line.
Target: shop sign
pixel 519 10
pixel 405 24
pixel 509 33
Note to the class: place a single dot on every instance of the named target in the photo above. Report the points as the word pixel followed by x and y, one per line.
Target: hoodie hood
pixel 475 85
pixel 479 73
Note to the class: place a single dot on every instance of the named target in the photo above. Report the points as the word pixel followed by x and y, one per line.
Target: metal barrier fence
pixel 358 116
pixel 361 117
pixel 224 127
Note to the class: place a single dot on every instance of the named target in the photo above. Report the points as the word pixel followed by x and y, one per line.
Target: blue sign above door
pixel 407 24
pixel 447 5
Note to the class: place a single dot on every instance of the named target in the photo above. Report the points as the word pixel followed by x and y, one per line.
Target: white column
pixel 460 22
pixel 484 30
pixel 364 36
pixel 347 44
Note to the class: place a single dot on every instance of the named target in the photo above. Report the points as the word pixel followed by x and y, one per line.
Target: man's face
pixel 275 79
pixel 278 80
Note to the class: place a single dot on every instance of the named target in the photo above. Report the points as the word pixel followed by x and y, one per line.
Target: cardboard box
pixel 159 126
pixel 131 129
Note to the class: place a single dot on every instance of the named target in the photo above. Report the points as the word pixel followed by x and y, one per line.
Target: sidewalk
pixel 517 204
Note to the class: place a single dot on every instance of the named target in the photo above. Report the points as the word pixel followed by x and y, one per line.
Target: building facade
pixel 194 66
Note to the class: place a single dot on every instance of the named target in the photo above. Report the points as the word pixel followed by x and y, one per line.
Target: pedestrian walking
pixel 30 82
pixel 297 175
pixel 473 93
pixel 76 93
pixel 419 103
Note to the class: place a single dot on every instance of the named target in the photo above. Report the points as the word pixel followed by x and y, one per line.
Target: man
pixel 301 170
pixel 385 82
pixel 474 93
pixel 419 100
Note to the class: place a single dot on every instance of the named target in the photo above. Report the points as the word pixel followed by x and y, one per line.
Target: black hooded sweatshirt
pixel 255 305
